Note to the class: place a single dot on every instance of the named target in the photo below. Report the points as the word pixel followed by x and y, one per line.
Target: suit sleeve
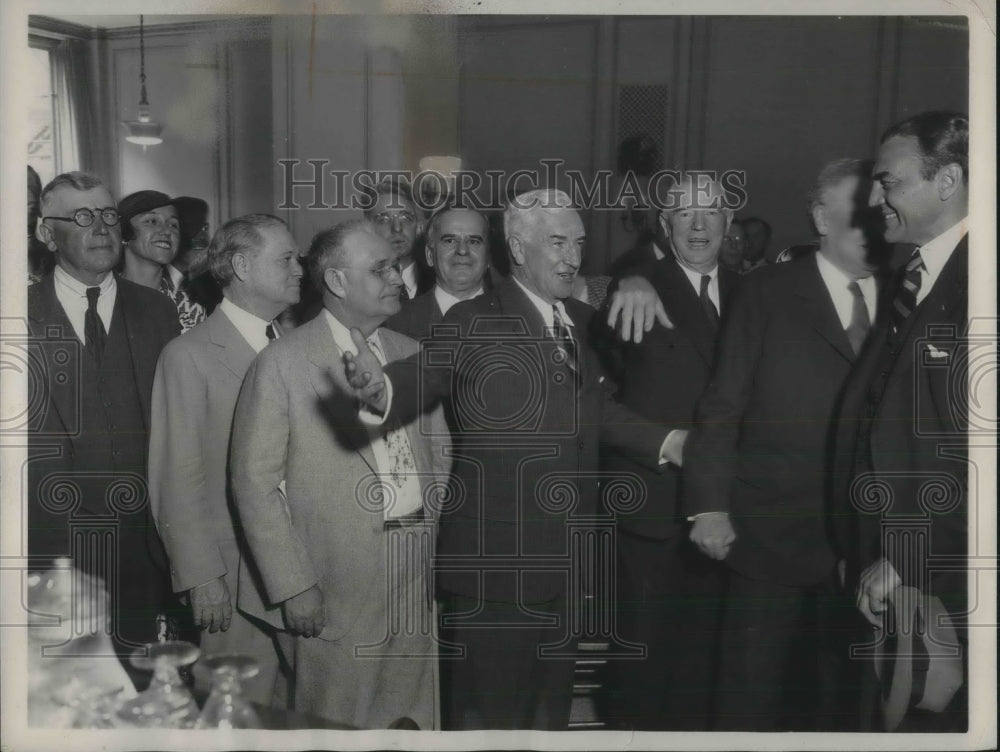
pixel 710 454
pixel 257 468
pixel 177 483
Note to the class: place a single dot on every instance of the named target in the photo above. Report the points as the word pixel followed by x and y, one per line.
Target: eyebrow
pixel 458 234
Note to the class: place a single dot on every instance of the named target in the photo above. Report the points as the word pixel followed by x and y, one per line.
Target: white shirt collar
pixel 342 336
pixel 838 282
pixel 658 254
pixel 545 308
pixel 937 252
pixel 175 274
pixel 253 328
pixel 409 275
pixel 72 285
pixel 694 278
pixel 446 300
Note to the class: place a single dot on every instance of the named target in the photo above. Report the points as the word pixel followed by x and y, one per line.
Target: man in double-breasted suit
pixel 755 467
pixel 903 434
pixel 338 513
pixel 528 411
pixel 668 593
pixel 96 337
pixel 198 379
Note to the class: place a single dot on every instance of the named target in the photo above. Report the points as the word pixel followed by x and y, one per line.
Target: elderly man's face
pixel 85 253
pixel 457 250
pixel 847 224
pixel 696 228
pixel 156 235
pixel 909 203
pixel 551 250
pixel 397 222
pixel 274 272
pixel 373 278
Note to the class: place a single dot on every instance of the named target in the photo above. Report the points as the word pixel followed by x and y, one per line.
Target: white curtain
pixel 74 112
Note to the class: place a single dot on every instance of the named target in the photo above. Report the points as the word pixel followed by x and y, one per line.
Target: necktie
pixel 906 296
pixel 706 302
pixel 397 443
pixel 562 335
pixel 269 332
pixel 857 330
pixel 94 333
pixel 166 284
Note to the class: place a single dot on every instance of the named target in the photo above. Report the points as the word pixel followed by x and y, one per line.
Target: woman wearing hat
pixel 151 224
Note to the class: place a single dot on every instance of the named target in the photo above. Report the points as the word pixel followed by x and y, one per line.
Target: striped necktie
pixel 562 335
pixel 906 296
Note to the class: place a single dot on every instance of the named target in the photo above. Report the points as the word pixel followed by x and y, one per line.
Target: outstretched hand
pixel 639 305
pixel 361 375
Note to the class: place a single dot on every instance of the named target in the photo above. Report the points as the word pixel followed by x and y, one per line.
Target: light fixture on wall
pixel 144 130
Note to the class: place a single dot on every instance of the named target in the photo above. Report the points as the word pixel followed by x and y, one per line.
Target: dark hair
pixel 943 137
pixel 759 221
pixel 238 235
pixel 327 248
pixel 453 205
pixel 390 186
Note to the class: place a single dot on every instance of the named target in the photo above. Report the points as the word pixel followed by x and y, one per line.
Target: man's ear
pixel 45 235
pixel 819 219
pixel 516 249
pixel 429 255
pixel 335 281
pixel 948 180
pixel 665 224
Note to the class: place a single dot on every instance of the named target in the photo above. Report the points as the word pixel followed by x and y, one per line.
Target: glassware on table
pixel 167 702
pixel 226 707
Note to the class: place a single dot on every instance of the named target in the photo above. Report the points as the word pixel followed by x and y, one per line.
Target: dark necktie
pixel 906 296
pixel 706 302
pixel 857 330
pixel 562 335
pixel 269 331
pixel 94 333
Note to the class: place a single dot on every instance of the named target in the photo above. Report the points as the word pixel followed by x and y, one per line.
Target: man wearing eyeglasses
pixel 333 508
pixel 397 220
pixel 95 339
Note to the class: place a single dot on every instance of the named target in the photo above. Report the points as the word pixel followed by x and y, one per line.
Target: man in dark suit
pixel 528 411
pixel 755 465
pixel 900 431
pixel 99 337
pixel 668 594
pixel 458 251
pixel 398 220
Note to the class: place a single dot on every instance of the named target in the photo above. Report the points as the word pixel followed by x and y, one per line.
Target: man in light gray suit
pixel 197 381
pixel 339 513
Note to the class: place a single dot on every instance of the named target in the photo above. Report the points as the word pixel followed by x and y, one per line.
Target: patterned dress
pixel 189 313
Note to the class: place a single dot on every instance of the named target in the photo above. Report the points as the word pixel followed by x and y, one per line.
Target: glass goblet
pixel 167 702
pixel 226 707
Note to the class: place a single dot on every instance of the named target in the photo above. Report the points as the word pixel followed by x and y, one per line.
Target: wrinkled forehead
pixel 694 193
pixel 66 199
pixel 367 249
pixel 459 221
pixel 557 221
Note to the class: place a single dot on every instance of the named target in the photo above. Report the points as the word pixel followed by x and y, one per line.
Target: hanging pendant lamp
pixel 143 130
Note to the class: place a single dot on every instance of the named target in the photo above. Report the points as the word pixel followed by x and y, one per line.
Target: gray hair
pixel 81 181
pixel 520 212
pixel 328 248
pixel 238 235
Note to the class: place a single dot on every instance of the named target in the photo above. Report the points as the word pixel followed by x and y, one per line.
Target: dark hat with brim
pixel 191 212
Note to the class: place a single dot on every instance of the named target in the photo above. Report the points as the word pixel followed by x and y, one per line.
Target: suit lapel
pixel 48 312
pixel 683 306
pixel 137 336
pixel 818 309
pixel 323 353
pixel 235 353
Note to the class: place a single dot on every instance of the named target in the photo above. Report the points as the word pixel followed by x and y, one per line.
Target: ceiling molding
pixel 54 28
pixel 257 24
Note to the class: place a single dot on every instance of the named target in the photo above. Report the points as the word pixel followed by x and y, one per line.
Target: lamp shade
pixel 144 131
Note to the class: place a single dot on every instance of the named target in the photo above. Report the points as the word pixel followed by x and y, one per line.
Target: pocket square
pixel 936 353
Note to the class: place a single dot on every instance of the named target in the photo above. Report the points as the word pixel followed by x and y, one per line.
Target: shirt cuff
pixel 672 448
pixel 372 418
pixel 693 517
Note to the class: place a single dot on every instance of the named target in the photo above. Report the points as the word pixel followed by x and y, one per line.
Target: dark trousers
pixel 502 681
pixel 784 661
pixel 668 599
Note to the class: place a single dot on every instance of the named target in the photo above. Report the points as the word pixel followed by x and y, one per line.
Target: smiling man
pixel 396 219
pixel 529 414
pixel 755 465
pixel 899 405
pixel 151 225
pixel 458 252
pixel 98 338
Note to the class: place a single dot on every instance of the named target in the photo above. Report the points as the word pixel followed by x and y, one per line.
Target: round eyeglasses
pixel 86 217
pixel 386 219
